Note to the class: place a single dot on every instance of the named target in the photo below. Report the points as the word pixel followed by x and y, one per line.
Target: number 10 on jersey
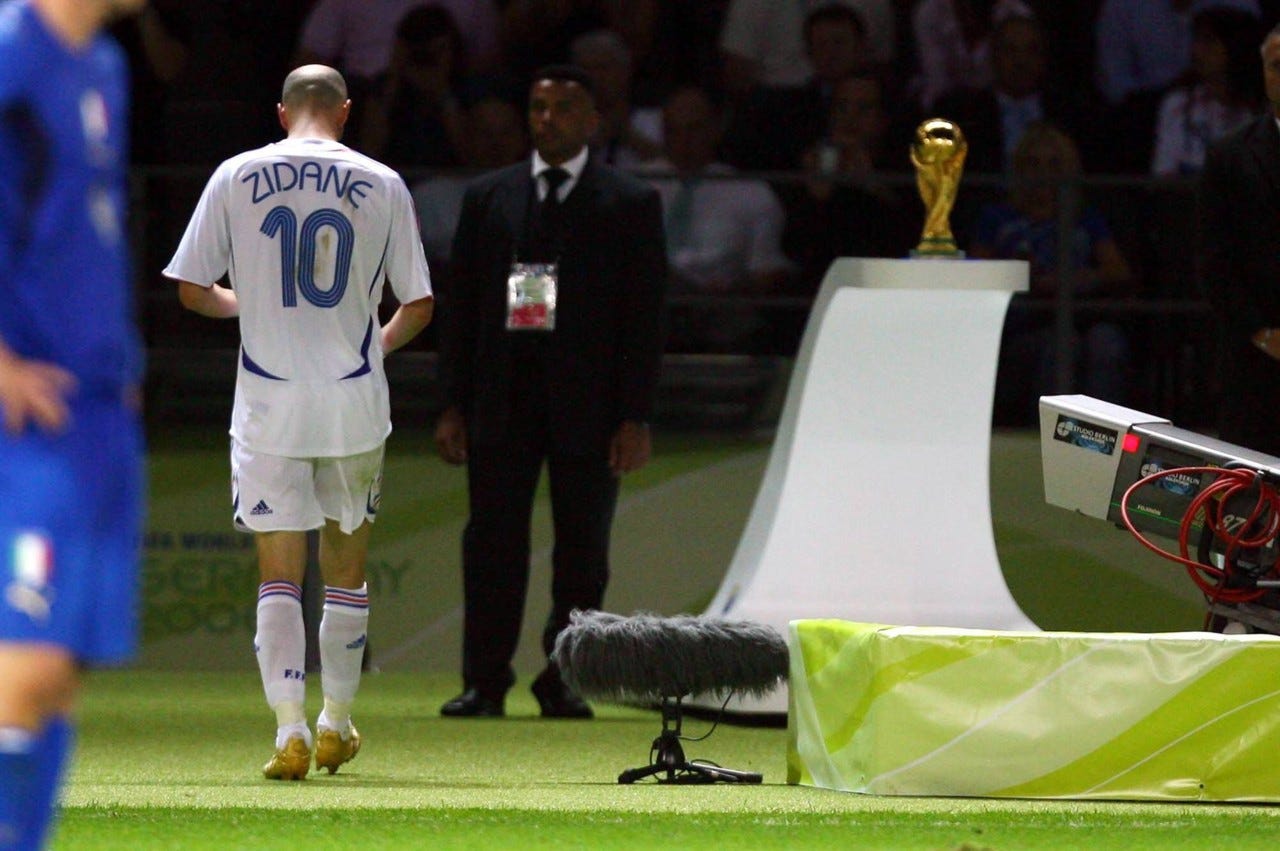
pixel 298 247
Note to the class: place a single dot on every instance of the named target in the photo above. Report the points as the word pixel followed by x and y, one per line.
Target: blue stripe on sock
pixel 279 588
pixel 352 598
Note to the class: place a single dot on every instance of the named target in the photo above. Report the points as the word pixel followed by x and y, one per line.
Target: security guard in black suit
pixel 550 345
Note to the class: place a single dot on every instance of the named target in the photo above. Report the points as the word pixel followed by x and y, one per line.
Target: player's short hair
pixel 565 74
pixel 315 87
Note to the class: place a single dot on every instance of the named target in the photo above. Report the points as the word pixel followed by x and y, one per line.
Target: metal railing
pixel 1153 221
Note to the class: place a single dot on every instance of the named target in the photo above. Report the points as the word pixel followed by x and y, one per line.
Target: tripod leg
pixel 631 775
pixel 727 775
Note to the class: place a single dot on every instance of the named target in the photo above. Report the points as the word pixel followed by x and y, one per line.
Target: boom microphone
pixel 646 657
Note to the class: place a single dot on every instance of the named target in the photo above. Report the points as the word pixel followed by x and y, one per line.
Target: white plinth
pixel 875 503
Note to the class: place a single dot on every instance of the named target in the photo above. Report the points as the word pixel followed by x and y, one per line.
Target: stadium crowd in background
pixel 1119 49
pixel 1135 83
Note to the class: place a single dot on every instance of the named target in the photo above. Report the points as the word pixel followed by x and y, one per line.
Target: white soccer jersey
pixel 308 231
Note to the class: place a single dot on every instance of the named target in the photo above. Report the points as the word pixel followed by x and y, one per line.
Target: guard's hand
pixel 33 391
pixel 451 436
pixel 630 448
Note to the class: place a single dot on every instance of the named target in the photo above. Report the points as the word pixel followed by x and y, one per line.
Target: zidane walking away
pixel 309 232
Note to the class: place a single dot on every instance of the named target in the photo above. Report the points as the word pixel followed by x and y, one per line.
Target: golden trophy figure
pixel 938 153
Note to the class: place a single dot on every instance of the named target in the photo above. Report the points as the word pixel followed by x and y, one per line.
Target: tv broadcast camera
pixel 1218 501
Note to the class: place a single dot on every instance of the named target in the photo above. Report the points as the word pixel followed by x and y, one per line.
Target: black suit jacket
pixel 600 365
pixel 1239 217
pixel 1239 228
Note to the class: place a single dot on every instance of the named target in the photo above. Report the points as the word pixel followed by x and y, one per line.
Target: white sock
pixel 281 647
pixel 287 731
pixel 331 718
pixel 342 638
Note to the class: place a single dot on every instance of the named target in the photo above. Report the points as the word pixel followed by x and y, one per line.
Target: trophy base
pixel 936 254
pixel 937 248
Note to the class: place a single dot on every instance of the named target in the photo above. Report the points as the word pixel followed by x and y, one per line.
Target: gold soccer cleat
pixel 332 751
pixel 290 762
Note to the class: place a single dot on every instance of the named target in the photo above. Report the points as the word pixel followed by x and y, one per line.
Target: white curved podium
pixel 875 504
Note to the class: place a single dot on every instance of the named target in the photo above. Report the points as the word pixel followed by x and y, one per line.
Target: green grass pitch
pixel 170 760
pixel 169 751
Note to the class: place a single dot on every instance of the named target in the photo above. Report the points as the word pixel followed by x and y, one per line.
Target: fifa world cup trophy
pixel 938 153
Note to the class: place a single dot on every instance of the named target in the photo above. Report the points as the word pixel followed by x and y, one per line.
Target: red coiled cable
pixel 1228 483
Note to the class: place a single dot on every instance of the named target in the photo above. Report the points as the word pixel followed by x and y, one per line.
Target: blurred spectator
pixel 355 36
pixel 952 39
pixel 1224 90
pixel 1239 267
pixel 843 209
pixel 682 50
pixel 1071 26
pixel 1145 45
pixel 539 32
pixel 837 43
pixel 210 107
pixel 1027 227
pixel 495 135
pixel 157 41
pixel 412 118
pixel 771 126
pixel 762 42
pixel 723 235
pixel 628 135
pixel 1143 48
pixel 995 116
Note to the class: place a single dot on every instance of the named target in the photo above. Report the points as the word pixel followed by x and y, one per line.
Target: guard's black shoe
pixel 472 704
pixel 556 700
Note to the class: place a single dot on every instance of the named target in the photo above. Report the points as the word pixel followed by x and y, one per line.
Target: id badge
pixel 531 297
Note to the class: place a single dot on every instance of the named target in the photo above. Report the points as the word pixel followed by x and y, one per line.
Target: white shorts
pixel 271 493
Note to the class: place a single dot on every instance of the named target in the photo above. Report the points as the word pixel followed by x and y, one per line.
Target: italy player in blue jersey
pixel 70 363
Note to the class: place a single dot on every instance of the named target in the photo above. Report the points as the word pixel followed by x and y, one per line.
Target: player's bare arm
pixel 214 301
pixel 406 323
pixel 33 391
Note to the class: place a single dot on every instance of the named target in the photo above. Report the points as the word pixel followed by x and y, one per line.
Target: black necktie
pixel 547 228
pixel 555 178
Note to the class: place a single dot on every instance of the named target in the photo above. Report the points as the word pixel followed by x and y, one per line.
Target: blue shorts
pixel 71 533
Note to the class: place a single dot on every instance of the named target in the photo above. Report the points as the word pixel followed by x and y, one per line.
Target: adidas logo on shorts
pixel 260 509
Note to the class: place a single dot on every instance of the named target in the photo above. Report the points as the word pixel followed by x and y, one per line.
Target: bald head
pixel 314 103
pixel 314 87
